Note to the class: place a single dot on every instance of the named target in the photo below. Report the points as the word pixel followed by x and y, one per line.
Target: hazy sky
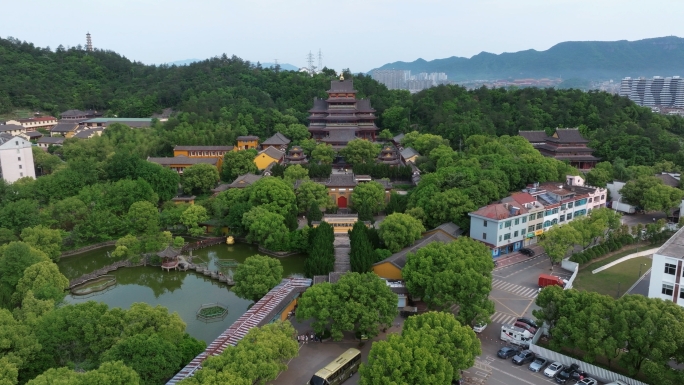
pixel 360 35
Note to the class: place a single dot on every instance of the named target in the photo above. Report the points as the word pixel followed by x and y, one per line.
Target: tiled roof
pixel 43 119
pixel 64 127
pixel 51 139
pixel 534 136
pixel 340 135
pixel 346 86
pixel 450 228
pixel 557 149
pixel 497 211
pixel 11 127
pixel 409 152
pixel 341 180
pixel 260 314
pixel 399 259
pixel 33 134
pixel 273 153
pixel 203 148
pixel 184 198
pixel 363 105
pixel 169 252
pixel 568 135
pixel 668 180
pixel 73 113
pixel 523 198
pixel 398 138
pixel 576 157
pixel 248 137
pixel 276 140
pixel 183 160
pixel 244 181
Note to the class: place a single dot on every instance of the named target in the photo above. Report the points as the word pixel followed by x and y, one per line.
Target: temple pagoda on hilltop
pixel 342 118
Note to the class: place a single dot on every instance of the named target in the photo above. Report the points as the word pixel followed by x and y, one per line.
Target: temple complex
pixel 565 144
pixel 342 118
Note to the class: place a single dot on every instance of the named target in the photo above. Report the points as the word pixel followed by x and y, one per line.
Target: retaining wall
pixel 572 266
pixel 87 248
pixel 594 371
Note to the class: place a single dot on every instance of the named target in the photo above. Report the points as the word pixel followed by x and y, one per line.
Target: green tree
pixel 395 118
pixel 64 214
pixel 450 206
pixel 163 180
pixel 558 240
pixel 369 196
pixel 111 373
pixel 294 173
pixel 600 175
pixel 143 218
pixel 18 345
pixel 192 216
pixel 297 132
pixel 7 236
pixel 171 214
pixel 361 303
pixel 423 143
pixel 400 230
pixel 236 163
pixel 323 153
pixel 44 239
pixel 19 215
pixel 314 214
pixel 309 193
pixel 385 134
pixel 321 259
pixel 361 254
pixel 44 162
pixel 256 359
pixel 457 273
pixel 273 194
pixel 178 242
pixel 15 257
pixel 8 370
pixel 44 280
pixel 256 277
pixel 308 145
pixel 199 178
pixel 360 151
pixel 266 228
pixel 153 358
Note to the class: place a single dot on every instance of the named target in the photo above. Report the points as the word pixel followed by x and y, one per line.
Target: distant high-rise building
pixel 393 79
pixel 403 80
pixel 89 43
pixel 658 91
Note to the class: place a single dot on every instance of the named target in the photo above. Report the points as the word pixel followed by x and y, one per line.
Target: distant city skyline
pixel 382 31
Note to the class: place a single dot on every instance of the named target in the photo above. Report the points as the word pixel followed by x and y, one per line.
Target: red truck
pixel 550 280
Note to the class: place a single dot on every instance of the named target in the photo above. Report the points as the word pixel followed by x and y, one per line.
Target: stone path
pixel 342 249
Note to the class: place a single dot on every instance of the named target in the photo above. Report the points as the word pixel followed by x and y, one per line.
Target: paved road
pixel 633 219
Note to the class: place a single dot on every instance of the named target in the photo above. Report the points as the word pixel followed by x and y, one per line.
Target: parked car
pixel 528 252
pixel 479 328
pixel 528 321
pixel 525 326
pixel 588 381
pixel 523 357
pixel 579 375
pixel 564 375
pixel 617 382
pixel 553 369
pixel 538 364
pixel 507 352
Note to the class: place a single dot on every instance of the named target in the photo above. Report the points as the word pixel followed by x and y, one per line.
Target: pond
pixel 179 291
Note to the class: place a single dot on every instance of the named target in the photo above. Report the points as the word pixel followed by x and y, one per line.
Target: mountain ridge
pixel 661 56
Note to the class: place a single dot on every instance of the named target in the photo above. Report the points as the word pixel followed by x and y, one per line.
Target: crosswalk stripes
pixel 503 318
pixel 515 289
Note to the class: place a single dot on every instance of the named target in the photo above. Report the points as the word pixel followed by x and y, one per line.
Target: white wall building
pixel 666 272
pixel 16 158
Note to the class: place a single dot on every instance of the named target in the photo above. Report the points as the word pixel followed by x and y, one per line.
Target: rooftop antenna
pixel 320 59
pixel 89 43
pixel 310 61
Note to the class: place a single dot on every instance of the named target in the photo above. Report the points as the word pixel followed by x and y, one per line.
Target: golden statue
pixel 341 76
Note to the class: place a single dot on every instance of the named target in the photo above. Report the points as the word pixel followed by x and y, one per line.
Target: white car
pixel 479 328
pixel 553 369
pixel 587 381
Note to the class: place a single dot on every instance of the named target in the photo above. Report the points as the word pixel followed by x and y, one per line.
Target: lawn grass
pixel 606 281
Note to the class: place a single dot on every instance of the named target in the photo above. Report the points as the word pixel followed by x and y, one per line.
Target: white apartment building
pixel 666 272
pixel 658 91
pixel 16 158
pixel 535 210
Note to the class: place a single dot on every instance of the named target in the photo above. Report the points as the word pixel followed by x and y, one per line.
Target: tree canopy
pixel 257 276
pixel 400 230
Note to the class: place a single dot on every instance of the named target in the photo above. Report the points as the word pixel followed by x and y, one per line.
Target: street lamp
pixel 643 264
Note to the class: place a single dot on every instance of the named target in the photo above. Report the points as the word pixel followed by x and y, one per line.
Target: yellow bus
pixel 339 370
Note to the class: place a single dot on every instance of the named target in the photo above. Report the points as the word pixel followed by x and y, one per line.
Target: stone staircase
pixel 342 249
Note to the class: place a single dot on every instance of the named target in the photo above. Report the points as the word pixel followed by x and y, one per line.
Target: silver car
pixel 553 369
pixel 538 364
pixel 587 381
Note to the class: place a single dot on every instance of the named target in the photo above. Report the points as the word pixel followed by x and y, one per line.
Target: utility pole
pixel 310 61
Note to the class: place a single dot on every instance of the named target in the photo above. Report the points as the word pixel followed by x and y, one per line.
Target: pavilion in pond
pixel 169 258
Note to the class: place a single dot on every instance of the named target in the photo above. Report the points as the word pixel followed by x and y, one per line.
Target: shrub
pixel 155 260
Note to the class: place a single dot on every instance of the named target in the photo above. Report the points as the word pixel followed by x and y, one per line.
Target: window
pixel 532 217
pixel 484 235
pixel 507 236
pixel 667 289
pixel 19 167
pixel 670 269
pixel 540 215
pixel 16 142
pixel 681 293
pixel 517 221
pixel 569 216
pixel 590 199
pixel 555 211
pixel 515 234
pixel 21 174
pixel 563 206
pixel 19 158
pixel 484 223
pixel 562 218
pixel 539 226
pixel 548 212
pixel 603 197
pixel 507 224
pixel 530 229
pixel 499 238
pixel 570 204
pixel 547 223
pixel 501 225
pixel 524 220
